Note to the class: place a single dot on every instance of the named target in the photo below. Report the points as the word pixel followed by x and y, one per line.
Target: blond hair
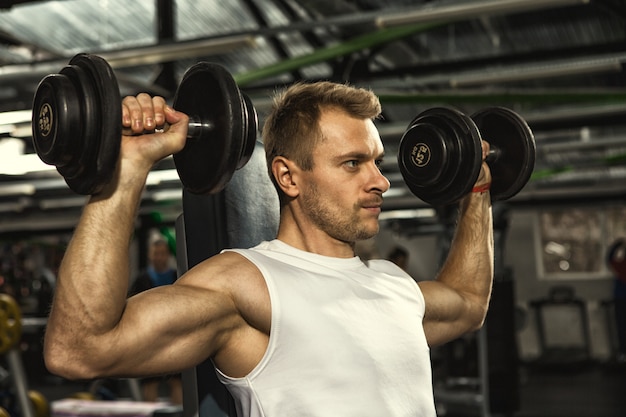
pixel 292 127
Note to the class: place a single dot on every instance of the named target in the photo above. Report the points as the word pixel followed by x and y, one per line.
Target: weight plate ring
pixel 420 155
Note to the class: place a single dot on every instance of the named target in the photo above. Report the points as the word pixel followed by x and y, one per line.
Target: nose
pixel 378 180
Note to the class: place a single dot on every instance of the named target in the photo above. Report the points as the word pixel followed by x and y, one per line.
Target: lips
pixel 373 204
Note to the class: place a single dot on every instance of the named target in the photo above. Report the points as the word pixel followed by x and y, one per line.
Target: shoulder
pixel 232 275
pixel 221 271
pixel 387 267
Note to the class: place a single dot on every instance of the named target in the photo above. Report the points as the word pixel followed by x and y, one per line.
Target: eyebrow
pixel 358 156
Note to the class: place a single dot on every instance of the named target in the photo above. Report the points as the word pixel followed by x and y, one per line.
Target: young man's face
pixel 342 195
pixel 159 256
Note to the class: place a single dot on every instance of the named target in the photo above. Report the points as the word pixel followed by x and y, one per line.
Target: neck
pixel 305 236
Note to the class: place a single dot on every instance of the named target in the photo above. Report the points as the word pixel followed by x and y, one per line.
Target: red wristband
pixel 481 188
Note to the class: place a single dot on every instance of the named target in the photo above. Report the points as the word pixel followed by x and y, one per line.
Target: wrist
pixel 128 180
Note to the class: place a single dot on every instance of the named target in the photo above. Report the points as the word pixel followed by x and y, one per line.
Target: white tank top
pixel 346 340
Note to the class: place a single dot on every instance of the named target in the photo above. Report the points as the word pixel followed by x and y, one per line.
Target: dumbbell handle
pixel 194 130
pixel 493 154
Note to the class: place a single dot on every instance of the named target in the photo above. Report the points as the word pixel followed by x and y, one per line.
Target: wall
pixel 520 254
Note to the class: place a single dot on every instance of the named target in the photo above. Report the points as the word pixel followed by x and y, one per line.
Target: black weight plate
pixel 514 144
pixel 56 119
pixel 251 123
pixel 452 147
pixel 83 157
pixel 464 160
pixel 209 94
pixel 424 154
pixel 470 159
pixel 105 144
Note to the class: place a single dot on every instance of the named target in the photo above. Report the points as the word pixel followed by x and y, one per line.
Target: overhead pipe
pixel 604 96
pixel 139 56
pixel 466 11
pixel 176 51
pixel 534 72
pixel 502 74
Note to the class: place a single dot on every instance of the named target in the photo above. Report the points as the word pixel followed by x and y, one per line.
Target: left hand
pixel 484 178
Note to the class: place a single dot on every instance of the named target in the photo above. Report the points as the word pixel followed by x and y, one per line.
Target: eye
pixel 378 162
pixel 353 163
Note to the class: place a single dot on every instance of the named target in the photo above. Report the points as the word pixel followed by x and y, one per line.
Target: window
pixel 573 241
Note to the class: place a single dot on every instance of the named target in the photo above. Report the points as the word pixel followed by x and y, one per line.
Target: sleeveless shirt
pixel 346 339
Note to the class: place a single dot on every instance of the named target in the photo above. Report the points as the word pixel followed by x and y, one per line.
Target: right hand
pixel 143 114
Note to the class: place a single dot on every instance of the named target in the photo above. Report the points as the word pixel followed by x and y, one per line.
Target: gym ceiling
pixel 558 63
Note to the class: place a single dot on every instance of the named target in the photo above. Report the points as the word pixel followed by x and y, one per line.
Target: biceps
pixel 173 326
pixel 448 315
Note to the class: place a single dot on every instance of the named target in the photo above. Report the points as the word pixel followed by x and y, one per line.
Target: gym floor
pixel 592 391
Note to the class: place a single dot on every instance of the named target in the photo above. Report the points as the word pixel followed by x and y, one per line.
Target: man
pixel 159 271
pixel 616 261
pixel 298 326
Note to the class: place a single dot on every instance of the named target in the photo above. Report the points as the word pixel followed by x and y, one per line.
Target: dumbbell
pixel 10 336
pixel 440 153
pixel 10 323
pixel 77 125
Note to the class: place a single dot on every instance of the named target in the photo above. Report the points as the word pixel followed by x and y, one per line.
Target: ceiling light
pixel 15 117
pixel 156 177
pixel 12 207
pixel 167 195
pixel 17 189
pixel 421 213
pixel 60 203
pixel 23 164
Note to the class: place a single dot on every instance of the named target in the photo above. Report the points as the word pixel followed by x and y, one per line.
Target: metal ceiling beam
pixel 419 20
pixel 227 42
pixel 419 14
pixel 321 55
pixel 599 115
pixel 571 96
pixel 467 11
pixel 535 72
pixel 274 41
pixel 177 51
pixel 139 56
pixel 7 4
pixel 165 33
pixel 597 51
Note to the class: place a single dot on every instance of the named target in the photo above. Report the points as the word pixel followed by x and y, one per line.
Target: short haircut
pixel 292 127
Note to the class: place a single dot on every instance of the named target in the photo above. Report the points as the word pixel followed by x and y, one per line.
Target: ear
pixel 285 171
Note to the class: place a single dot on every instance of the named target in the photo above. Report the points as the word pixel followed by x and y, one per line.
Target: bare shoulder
pixel 233 275
pixel 219 269
pixel 227 272
pixel 236 282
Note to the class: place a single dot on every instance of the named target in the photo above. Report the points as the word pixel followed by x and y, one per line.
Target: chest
pixel 348 314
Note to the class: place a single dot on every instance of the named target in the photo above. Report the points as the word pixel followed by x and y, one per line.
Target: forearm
pixel 93 277
pixel 469 267
pixel 86 335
